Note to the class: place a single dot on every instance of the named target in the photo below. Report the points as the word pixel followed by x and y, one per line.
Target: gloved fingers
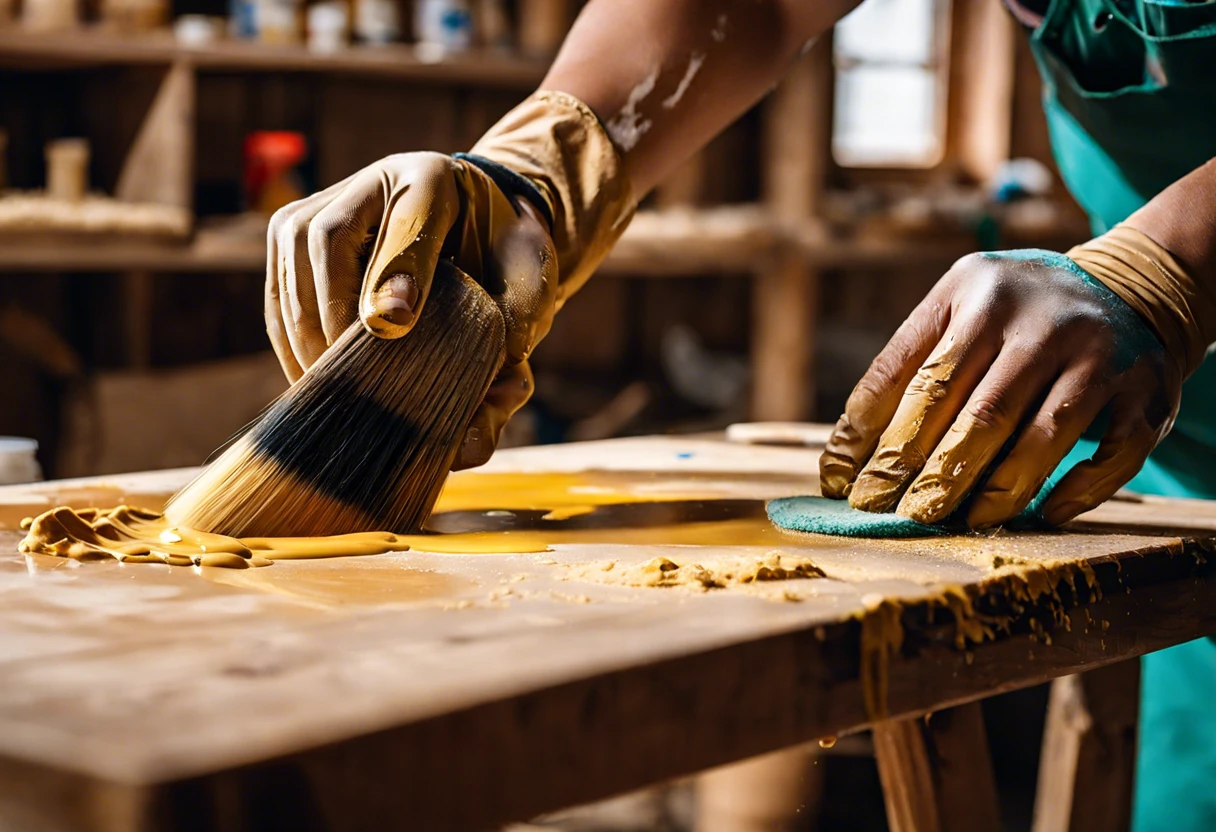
pixel 340 237
pixel 1121 453
pixel 298 293
pixel 1070 407
pixel 419 213
pixel 1017 381
pixel 526 260
pixel 276 327
pixel 288 267
pixel 509 392
pixel 878 394
pixel 928 407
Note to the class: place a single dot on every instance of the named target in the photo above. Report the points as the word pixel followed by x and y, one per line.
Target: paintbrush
pixel 365 439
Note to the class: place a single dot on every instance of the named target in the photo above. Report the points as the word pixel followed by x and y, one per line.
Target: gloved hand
pixel 528 214
pixel 1017 351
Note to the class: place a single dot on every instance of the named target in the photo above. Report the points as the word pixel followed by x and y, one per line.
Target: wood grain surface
pixel 431 691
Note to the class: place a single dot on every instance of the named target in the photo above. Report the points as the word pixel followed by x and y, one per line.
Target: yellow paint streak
pixel 561 495
pixel 134 535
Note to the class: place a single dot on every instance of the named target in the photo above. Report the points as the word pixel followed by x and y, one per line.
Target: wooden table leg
pixel 771 793
pixel 1088 762
pixel 936 773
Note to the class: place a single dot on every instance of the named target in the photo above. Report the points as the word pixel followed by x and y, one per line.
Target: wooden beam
pixel 1088 764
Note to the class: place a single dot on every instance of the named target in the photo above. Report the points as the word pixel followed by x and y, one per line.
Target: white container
pixel 377 21
pixel 18 460
pixel 447 24
pixel 327 26
pixel 193 30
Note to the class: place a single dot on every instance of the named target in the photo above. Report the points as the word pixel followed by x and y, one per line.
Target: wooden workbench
pixel 430 691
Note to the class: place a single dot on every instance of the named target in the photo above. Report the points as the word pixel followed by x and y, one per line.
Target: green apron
pixel 1130 97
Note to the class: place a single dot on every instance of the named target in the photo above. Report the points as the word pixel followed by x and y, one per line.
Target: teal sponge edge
pixel 819 515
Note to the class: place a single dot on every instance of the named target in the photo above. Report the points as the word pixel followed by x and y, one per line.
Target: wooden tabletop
pixel 453 691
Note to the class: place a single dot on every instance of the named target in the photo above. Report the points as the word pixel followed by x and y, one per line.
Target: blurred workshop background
pixel 144 144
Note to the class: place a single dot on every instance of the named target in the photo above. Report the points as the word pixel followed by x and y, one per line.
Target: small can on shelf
pixel 274 174
pixel 67 169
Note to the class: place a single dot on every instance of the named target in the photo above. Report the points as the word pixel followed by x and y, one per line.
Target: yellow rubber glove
pixel 529 214
pixel 1019 352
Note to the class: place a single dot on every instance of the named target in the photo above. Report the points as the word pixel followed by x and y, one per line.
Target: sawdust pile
pixel 702 575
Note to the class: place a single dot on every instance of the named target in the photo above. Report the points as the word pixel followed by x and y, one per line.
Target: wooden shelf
pixel 683 241
pixel 657 244
pixel 90 47
pixel 668 243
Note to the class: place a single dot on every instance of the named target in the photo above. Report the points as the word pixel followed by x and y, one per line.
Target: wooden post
pixel 979 106
pixel 936 772
pixel 1088 763
pixel 160 164
pixel 796 151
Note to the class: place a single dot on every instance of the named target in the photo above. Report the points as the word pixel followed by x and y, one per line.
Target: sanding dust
pixel 136 535
pixel 701 575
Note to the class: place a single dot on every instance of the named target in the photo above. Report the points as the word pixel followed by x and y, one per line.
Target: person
pixel 1016 365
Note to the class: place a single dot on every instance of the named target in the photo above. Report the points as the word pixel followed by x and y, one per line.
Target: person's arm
pixel 1182 220
pixel 1013 355
pixel 666 76
pixel 536 204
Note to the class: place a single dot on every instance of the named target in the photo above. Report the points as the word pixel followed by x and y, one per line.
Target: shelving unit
pixel 781 241
pixel 405 62
pixel 663 243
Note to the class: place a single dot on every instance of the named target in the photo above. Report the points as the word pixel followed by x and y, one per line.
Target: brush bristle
pixel 364 441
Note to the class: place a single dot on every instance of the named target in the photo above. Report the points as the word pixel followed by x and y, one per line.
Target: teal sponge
pixel 823 516
pixel 820 515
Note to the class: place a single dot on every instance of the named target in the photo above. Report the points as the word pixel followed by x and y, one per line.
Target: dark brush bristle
pixel 365 439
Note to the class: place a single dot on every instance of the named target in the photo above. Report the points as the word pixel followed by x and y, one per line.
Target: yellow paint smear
pixel 135 535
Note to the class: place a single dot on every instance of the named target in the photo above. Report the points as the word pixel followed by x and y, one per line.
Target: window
pixel 890 58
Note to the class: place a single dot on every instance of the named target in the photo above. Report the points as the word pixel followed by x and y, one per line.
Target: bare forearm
pixel 665 76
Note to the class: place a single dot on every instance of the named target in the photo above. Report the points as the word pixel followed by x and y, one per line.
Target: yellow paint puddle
pixel 477 514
